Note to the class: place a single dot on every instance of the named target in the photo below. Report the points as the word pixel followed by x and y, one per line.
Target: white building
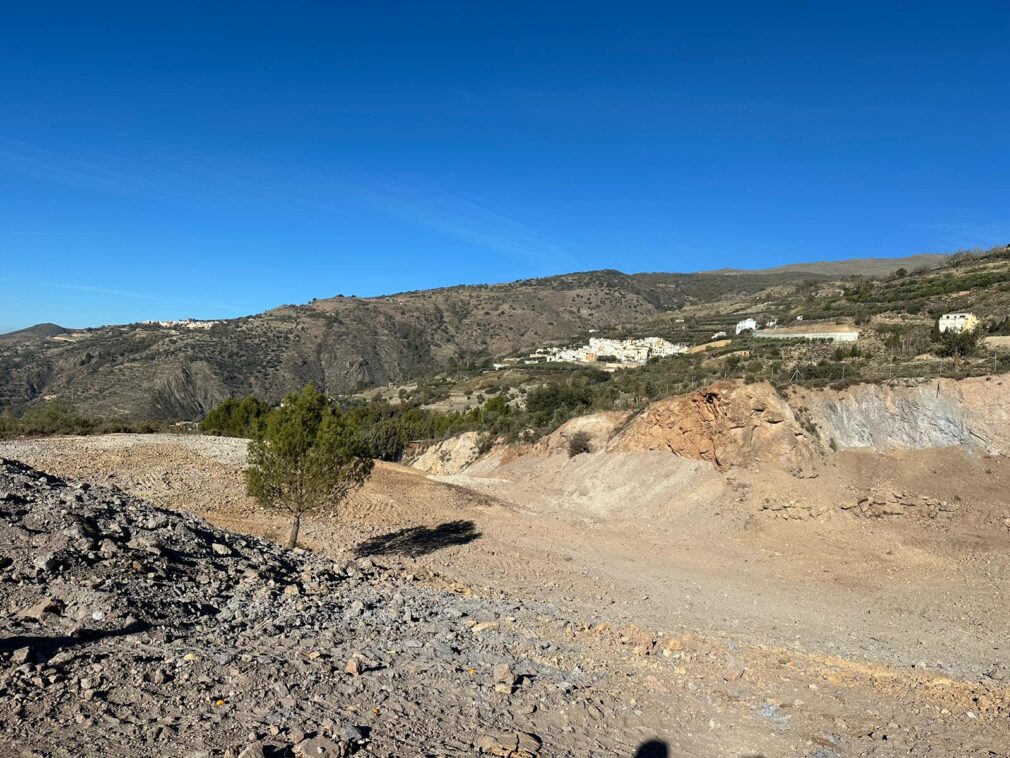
pixel 958 322
pixel 748 324
pixel 833 332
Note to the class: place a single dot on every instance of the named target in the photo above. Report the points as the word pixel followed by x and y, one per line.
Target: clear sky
pixel 211 159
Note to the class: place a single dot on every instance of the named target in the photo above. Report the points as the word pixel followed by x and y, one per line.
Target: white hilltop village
pixel 611 352
pixel 617 353
pixel 186 323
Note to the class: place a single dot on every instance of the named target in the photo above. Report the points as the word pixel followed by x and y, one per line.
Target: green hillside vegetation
pixel 55 417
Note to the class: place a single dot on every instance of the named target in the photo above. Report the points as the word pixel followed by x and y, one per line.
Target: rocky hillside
pixel 133 630
pixel 341 343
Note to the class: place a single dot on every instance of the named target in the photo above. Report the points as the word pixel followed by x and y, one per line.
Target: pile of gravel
pixel 133 630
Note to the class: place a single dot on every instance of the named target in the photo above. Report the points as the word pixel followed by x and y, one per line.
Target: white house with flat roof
pixel 958 322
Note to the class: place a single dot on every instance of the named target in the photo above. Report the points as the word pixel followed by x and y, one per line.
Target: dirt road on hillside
pixel 726 628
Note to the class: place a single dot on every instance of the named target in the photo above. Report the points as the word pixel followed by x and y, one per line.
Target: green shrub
pixel 54 417
pixel 951 344
pixel 547 404
pixel 579 443
pixel 236 418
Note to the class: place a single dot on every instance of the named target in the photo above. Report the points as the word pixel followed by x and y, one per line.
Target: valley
pixel 753 542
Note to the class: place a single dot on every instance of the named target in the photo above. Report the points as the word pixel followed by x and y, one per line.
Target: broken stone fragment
pixel 351 733
pixel 503 674
pixel 509 744
pixel 45 563
pixel 255 750
pixel 320 747
pixel 45 606
pixel 354 667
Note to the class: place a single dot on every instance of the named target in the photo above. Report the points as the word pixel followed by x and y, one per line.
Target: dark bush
pixel 951 344
pixel 579 443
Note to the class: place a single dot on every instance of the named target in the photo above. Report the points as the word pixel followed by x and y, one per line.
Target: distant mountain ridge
pixel 852 266
pixel 32 332
pixel 342 344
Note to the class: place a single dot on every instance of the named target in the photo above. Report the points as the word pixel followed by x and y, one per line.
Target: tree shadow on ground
pixel 652 749
pixel 659 749
pixel 419 540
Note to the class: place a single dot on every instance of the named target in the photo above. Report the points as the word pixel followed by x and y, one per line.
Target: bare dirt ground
pixel 733 613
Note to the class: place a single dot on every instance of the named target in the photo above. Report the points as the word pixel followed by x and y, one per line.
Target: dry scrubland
pixel 736 571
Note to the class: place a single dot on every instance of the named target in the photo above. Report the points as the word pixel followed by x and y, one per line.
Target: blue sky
pixel 167 160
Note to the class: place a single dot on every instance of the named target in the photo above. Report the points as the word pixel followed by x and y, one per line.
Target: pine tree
pixel 306 457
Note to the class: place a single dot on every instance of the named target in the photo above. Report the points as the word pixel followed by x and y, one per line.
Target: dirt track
pixel 731 630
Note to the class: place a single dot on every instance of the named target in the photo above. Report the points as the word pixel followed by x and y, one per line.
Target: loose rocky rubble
pixel 793 509
pixel 870 505
pixel 891 504
pixel 132 630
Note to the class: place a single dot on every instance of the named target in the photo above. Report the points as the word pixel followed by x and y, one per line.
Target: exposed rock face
pixel 921 414
pixel 448 457
pixel 599 426
pixel 735 424
pixel 727 423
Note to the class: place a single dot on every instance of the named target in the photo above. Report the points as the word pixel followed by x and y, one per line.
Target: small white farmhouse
pixel 958 322
pixel 748 324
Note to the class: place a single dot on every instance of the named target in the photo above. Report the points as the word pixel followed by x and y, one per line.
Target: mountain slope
pixel 854 266
pixel 146 371
pixel 340 343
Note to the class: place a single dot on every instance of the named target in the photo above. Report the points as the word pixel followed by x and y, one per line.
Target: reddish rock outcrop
pixel 726 423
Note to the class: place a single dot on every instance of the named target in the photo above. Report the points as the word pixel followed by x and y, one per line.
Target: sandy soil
pixel 730 629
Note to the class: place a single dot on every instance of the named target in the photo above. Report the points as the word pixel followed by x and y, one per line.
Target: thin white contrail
pixel 113 292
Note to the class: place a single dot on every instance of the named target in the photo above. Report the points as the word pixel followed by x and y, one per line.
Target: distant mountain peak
pixel 33 332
